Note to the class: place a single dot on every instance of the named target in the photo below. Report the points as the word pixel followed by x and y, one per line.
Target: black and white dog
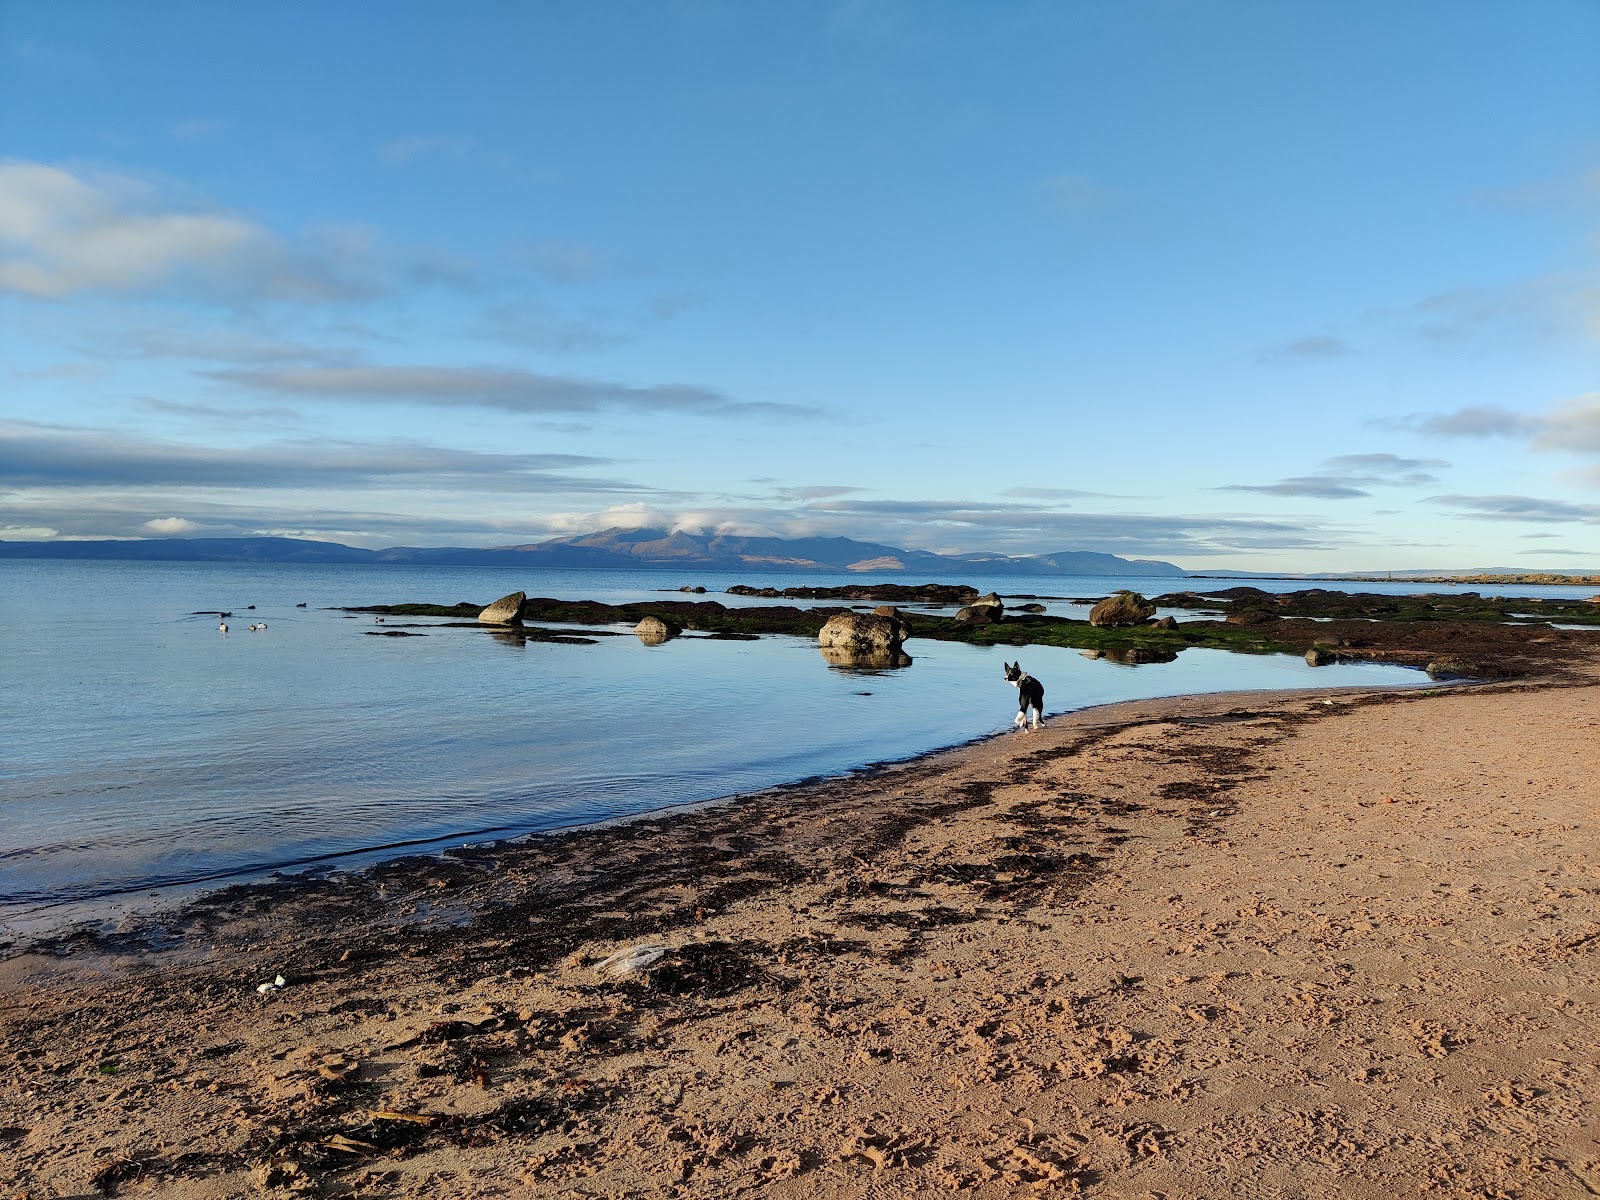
pixel 1030 694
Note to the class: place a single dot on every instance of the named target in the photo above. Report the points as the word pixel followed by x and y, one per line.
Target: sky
pixel 1298 286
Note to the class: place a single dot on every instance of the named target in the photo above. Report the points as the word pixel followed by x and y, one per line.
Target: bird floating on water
pixel 223 627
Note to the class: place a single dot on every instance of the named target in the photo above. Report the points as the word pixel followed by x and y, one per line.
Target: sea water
pixel 144 749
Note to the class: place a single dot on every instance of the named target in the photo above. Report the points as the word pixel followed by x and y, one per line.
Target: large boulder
pixel 653 631
pixel 505 611
pixel 1122 608
pixel 863 634
pixel 1317 656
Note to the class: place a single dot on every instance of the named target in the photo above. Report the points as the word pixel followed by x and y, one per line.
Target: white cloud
pixel 168 526
pixel 62 234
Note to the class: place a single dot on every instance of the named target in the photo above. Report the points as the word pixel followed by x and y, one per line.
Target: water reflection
pixel 1133 656
pixel 842 659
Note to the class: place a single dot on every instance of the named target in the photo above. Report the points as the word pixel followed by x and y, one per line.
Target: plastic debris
pixel 634 958
pixel 277 985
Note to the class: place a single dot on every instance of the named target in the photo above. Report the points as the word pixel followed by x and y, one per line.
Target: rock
pixel 1092 653
pixel 886 610
pixel 1122 608
pixel 993 598
pixel 1451 667
pixel 1034 608
pixel 698 591
pixel 980 614
pixel 505 611
pixel 1318 657
pixel 1167 623
pixel 653 631
pixel 1594 599
pixel 1251 616
pixel 863 634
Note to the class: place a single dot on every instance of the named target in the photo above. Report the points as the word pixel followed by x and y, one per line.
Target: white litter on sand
pixel 634 958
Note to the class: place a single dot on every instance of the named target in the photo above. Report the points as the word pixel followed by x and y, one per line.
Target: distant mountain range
pixel 635 548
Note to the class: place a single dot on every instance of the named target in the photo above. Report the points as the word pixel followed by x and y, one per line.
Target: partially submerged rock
pixel 1122 608
pixel 652 631
pixel 505 611
pixel 1318 657
pixel 864 634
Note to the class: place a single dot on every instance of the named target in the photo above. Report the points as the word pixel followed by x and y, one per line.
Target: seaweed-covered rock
pixel 1122 608
pixel 864 634
pixel 1167 623
pixel 505 611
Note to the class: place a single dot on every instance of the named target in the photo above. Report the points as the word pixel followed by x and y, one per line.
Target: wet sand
pixel 1276 945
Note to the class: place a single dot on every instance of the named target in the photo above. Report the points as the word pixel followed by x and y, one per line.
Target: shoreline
pixel 168 902
pixel 1257 941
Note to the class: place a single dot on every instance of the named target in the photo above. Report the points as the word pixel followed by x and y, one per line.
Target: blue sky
pixel 1299 286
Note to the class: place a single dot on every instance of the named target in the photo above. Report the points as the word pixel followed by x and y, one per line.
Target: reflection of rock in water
pixel 652 631
pixel 507 637
pixel 877 660
pixel 1136 655
pixel 1133 656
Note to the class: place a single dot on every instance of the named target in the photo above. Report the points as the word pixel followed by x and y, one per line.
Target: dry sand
pixel 1262 946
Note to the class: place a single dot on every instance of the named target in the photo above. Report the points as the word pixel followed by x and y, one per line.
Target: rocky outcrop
pixel 1122 608
pixel 1167 623
pixel 866 635
pixel 887 610
pixel 1034 608
pixel 652 631
pixel 505 611
pixel 1318 657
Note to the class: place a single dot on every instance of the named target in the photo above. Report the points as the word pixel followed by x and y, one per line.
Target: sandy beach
pixel 1268 945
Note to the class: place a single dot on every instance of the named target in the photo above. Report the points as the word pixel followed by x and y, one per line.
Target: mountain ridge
pixel 653 549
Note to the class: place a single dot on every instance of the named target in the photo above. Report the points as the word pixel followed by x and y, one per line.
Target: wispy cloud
pixel 198 129
pixel 505 389
pixel 1472 421
pixel 1574 427
pixel 37 455
pixel 1309 487
pixel 1317 348
pixel 1520 508
pixel 1348 476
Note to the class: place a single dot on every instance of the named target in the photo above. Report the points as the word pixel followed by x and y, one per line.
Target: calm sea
pixel 144 750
